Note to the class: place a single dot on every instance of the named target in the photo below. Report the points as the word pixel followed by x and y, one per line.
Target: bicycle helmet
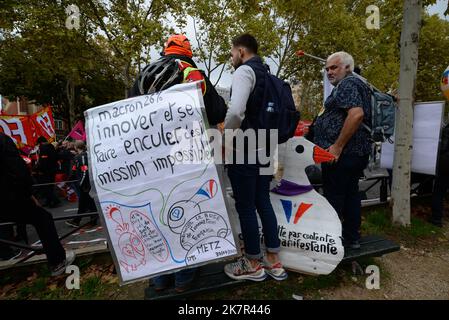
pixel 160 75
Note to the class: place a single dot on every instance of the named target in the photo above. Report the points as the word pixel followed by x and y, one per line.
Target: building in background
pixel 22 107
pixel 225 93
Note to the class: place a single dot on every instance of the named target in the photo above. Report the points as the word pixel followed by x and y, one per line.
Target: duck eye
pixel 299 149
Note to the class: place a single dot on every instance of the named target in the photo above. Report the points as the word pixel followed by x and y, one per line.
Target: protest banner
pixel 156 183
pixel 24 130
pixel 78 132
pixel 44 124
pixel 426 136
pixel 20 129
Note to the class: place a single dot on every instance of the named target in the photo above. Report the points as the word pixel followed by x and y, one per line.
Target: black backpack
pixel 278 109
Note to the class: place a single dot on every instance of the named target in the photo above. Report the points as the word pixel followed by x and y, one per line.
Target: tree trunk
pixel 70 92
pixel 126 77
pixel 404 116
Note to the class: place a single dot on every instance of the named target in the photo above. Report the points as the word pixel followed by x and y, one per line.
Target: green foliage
pixel 217 22
pixel 321 28
pixel 379 222
pixel 376 222
pixel 433 44
pixel 42 59
pixel 76 69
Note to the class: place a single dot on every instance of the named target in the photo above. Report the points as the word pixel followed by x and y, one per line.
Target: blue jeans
pixel 251 192
pixel 182 278
pixel 341 189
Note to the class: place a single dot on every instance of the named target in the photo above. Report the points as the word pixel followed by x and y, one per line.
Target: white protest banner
pixel 156 182
pixel 426 134
pixel 327 87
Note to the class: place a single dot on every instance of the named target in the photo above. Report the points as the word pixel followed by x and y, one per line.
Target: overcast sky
pixel 439 8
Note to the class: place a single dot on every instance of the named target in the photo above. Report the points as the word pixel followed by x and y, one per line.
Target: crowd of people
pixel 19 205
pixel 36 175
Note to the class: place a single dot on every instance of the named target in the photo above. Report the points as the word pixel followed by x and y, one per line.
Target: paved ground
pixel 87 240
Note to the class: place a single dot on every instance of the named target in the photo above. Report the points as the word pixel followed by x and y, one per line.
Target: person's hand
pixel 336 151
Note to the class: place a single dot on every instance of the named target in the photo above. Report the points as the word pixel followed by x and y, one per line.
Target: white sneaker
pixel 243 270
pixel 60 268
pixel 274 270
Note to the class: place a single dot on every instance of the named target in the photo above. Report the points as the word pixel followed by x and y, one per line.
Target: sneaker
pixel 242 270
pixel 72 223
pixel 15 253
pixel 275 270
pixel 60 268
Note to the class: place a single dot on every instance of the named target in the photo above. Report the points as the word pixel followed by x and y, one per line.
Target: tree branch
pixel 221 73
pixel 103 27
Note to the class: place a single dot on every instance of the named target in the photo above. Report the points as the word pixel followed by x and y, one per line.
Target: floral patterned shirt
pixel 349 93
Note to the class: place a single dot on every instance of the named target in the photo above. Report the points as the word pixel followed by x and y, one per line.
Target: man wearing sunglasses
pixel 338 129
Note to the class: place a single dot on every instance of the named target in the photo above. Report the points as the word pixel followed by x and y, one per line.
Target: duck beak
pixel 320 155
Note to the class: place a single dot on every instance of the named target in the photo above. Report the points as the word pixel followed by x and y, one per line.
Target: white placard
pixel 161 213
pixel 309 228
pixel 427 121
pixel 327 87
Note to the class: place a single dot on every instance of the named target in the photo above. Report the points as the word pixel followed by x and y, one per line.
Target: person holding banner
pixel 338 130
pixel 160 75
pixel 20 206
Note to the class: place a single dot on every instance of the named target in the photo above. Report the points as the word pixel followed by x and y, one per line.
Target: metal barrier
pixel 36 250
pixel 50 183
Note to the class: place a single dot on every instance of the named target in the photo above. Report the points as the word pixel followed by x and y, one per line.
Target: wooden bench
pixel 211 277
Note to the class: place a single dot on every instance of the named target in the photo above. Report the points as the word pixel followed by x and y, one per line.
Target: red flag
pixel 19 128
pixel 44 124
pixel 78 132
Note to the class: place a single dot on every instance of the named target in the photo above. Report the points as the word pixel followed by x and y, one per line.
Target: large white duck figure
pixel 309 227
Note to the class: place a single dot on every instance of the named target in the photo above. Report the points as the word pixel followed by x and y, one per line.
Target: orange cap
pixel 178 44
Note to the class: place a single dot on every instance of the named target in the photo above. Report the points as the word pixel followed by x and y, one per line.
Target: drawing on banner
pixel 308 226
pixel 135 234
pixel 157 184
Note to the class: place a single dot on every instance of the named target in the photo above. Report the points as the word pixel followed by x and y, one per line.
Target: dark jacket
pixel 47 161
pixel 443 153
pixel 255 100
pixel 80 171
pixel 215 105
pixel 15 178
pixel 65 158
pixel 253 107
